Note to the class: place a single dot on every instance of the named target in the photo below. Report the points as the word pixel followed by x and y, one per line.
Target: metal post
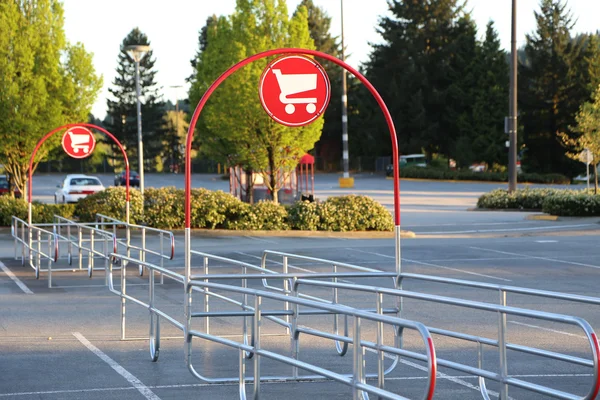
pixel 512 125
pixel 257 324
pixel 502 348
pixel 139 128
pixel 346 181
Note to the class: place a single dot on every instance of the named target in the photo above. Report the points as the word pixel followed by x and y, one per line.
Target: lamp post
pixel 512 119
pixel 137 52
pixel 345 181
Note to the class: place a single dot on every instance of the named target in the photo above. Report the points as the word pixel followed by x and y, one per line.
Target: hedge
pixel 562 202
pixel 164 208
pixel 447 174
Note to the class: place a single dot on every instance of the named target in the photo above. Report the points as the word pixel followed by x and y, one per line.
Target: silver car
pixel 76 187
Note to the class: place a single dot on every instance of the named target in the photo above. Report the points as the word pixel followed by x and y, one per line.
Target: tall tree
pixel 45 82
pixel 329 146
pixel 551 88
pixel 414 69
pixel 122 110
pixel 175 128
pixel 239 131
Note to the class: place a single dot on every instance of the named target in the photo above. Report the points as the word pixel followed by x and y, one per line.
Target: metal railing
pixel 502 345
pixel 32 240
pixel 250 344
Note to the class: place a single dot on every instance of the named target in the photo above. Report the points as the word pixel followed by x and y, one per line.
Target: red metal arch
pixel 211 89
pixel 51 133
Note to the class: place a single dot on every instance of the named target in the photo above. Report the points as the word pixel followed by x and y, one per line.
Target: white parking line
pixel 275 262
pixel 537 257
pixel 12 276
pixel 135 382
pixel 547 329
pixel 507 230
pixel 431 265
pixel 261 240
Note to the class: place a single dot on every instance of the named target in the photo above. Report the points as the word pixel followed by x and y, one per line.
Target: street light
pixel 345 181
pixel 137 52
pixel 512 119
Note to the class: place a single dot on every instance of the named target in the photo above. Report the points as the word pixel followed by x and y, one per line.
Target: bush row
pixel 563 202
pixel 439 173
pixel 164 208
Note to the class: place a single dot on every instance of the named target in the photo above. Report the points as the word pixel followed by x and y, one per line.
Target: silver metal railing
pixel 502 345
pixel 250 345
pixel 36 244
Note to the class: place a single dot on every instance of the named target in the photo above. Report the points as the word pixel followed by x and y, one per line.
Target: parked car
pixel 409 160
pixel 134 179
pixel 4 187
pixel 75 187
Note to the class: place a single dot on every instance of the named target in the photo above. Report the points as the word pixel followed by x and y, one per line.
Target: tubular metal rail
pixel 501 343
pixel 251 344
pixel 31 238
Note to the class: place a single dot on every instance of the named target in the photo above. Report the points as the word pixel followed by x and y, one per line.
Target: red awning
pixel 307 159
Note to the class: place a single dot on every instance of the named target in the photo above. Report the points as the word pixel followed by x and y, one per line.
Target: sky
pixel 172 27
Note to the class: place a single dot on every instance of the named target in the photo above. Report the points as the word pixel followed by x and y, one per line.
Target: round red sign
pixel 78 142
pixel 294 90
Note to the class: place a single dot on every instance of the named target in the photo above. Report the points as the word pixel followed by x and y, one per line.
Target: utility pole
pixel 345 181
pixel 512 119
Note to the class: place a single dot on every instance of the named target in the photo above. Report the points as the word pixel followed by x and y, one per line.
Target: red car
pixel 4 187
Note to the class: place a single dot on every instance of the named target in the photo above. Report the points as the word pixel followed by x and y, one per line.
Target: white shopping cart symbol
pixel 80 142
pixel 290 84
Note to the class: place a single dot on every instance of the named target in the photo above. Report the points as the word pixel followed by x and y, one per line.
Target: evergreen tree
pixel 490 101
pixel 122 111
pixel 414 70
pixel 551 89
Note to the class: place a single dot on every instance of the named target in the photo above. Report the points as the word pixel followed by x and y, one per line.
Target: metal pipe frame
pixel 502 310
pixel 356 380
pixel 31 249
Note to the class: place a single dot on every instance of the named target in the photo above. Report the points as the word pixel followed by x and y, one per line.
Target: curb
pixel 542 217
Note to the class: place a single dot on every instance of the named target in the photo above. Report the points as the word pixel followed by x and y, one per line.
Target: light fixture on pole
pixel 512 119
pixel 345 181
pixel 137 53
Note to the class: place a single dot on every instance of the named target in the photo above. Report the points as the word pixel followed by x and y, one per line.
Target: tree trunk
pixel 250 186
pixel 273 176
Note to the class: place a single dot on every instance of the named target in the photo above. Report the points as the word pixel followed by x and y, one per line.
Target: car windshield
pixel 85 182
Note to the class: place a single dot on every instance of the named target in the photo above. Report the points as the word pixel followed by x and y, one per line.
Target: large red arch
pixel 211 89
pixel 60 128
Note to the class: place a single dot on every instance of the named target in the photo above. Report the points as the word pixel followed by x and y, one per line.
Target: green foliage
pixel 122 112
pixel 353 213
pixel 304 215
pixel 40 213
pixel 110 202
pixel 45 82
pixel 579 204
pixel 214 209
pixel 239 132
pixel 264 215
pixel 10 206
pixel 523 199
pixel 488 176
pixel 164 207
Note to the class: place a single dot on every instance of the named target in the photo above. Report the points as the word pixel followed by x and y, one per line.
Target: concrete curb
pixel 543 217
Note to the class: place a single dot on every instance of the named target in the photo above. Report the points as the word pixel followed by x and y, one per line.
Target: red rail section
pixel 211 89
pixel 60 128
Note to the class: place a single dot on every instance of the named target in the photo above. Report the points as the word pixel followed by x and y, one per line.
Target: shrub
pixel 304 215
pixel 489 176
pixel 10 206
pixel 212 209
pixel 353 213
pixel 44 213
pixel 110 202
pixel 164 208
pixel 264 215
pixel 522 199
pixel 572 204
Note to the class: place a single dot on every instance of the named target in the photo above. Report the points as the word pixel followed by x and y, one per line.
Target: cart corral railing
pixel 36 243
pixel 501 343
pixel 253 311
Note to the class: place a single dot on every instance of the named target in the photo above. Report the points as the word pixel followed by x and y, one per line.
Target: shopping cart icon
pixel 80 142
pixel 291 84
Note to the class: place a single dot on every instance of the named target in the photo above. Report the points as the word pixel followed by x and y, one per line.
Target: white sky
pixel 172 27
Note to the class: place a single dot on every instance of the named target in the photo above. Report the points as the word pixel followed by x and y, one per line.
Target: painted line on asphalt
pixel 506 230
pixel 431 265
pixel 548 329
pixel 275 262
pixel 201 385
pixel 260 240
pixel 16 280
pixel 546 241
pixel 135 382
pixel 537 257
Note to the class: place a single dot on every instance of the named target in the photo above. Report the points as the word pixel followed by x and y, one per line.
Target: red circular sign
pixel 294 90
pixel 78 142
